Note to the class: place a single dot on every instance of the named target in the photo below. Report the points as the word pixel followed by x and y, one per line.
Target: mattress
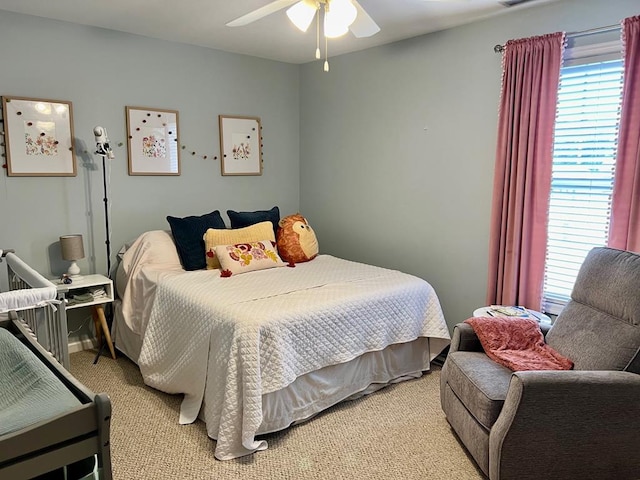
pixel 228 343
pixel 29 391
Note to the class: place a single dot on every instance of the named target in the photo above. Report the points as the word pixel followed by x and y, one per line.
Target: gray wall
pixel 100 72
pixel 398 147
pixel 390 155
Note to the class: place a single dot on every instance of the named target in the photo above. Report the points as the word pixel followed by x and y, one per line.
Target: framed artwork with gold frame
pixel 38 137
pixel 240 145
pixel 153 141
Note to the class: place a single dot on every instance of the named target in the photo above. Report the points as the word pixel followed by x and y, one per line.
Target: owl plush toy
pixel 296 240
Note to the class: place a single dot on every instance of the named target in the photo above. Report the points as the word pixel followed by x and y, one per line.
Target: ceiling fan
pixel 339 17
pixel 362 24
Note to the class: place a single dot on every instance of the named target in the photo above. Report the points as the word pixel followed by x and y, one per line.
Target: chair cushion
pixel 599 329
pixel 480 383
pixel 609 281
pixel 592 339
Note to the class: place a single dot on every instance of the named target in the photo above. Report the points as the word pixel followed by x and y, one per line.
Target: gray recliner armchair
pixel 573 424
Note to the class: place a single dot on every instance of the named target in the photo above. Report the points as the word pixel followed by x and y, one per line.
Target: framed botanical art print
pixel 38 137
pixel 153 141
pixel 240 145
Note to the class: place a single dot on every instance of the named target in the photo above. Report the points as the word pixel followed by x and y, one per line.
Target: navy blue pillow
pixel 187 234
pixel 244 219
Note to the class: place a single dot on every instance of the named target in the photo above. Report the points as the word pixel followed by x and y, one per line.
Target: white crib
pixel 46 321
pixel 54 421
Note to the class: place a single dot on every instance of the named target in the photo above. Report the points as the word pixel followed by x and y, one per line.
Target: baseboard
pixel 82 344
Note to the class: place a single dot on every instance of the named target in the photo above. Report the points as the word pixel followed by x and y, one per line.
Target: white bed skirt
pixel 316 391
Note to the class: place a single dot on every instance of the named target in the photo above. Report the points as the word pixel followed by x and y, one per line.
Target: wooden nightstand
pixel 100 289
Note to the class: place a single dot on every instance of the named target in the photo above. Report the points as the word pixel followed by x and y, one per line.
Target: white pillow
pixel 155 246
pixel 247 257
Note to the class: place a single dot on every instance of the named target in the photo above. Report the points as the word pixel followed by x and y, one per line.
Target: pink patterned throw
pixel 517 343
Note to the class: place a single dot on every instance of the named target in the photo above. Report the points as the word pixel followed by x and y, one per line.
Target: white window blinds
pixel 582 177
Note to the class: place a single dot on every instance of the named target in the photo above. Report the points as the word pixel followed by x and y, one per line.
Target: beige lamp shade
pixel 72 249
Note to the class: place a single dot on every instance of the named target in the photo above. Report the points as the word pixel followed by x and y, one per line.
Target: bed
pixel 257 352
pixel 48 420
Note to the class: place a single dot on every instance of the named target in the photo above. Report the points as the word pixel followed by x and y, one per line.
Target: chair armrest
pixel 545 327
pixel 465 339
pixel 568 424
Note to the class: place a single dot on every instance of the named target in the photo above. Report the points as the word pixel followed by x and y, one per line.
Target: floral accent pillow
pixel 247 257
pixel 226 236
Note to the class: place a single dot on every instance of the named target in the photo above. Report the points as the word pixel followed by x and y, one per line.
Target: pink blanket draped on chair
pixel 517 343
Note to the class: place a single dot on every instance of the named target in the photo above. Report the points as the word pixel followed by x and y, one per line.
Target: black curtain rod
pixel 608 28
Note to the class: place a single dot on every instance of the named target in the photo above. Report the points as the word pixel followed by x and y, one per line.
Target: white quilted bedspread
pixel 228 341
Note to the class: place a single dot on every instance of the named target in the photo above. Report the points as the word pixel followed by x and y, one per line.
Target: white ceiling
pixel 202 22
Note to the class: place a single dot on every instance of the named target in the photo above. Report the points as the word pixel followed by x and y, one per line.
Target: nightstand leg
pixel 98 328
pixel 99 309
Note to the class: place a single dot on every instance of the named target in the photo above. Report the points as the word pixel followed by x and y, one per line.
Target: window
pixel 583 171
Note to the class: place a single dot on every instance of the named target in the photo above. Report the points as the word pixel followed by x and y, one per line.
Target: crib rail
pixel 46 323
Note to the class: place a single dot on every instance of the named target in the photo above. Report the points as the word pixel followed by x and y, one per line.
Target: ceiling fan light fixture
pixel 333 28
pixel 302 13
pixel 338 16
pixel 344 10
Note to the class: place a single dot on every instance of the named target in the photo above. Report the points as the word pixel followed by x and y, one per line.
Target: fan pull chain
pixel 318 35
pixel 326 40
pixel 326 54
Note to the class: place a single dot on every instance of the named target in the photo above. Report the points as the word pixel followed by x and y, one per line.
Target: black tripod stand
pixel 104 150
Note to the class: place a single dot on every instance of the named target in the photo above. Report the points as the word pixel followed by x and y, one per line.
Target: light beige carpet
pixel 397 433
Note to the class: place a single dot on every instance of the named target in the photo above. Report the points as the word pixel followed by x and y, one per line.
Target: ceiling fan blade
pixel 261 12
pixel 363 26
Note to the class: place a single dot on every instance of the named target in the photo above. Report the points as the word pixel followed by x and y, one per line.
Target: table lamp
pixel 72 250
